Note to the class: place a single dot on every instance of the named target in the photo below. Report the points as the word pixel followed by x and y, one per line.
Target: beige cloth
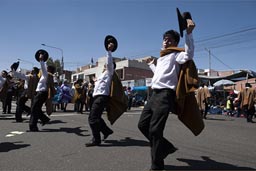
pixel 202 96
pixel 51 93
pixel 247 97
pixel 187 109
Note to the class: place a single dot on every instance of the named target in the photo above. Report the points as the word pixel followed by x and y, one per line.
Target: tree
pixel 56 64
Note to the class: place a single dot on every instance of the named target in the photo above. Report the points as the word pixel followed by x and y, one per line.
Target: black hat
pixel 182 19
pixel 44 53
pixel 15 65
pixel 110 39
pixel 36 70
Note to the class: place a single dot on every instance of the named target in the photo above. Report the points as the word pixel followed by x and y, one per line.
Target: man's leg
pixel 94 120
pixel 106 131
pixel 144 121
pixel 19 108
pixel 160 147
pixel 36 110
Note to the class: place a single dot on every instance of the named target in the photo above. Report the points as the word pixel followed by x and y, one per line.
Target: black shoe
pixel 169 151
pixel 106 135
pixel 92 144
pixel 19 120
pixel 45 121
pixel 4 112
pixel 33 129
pixel 251 121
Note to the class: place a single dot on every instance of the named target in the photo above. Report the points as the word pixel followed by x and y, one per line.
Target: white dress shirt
pixel 23 77
pixel 42 86
pixel 103 83
pixel 168 67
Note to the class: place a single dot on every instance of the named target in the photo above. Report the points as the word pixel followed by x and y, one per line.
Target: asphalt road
pixel 226 143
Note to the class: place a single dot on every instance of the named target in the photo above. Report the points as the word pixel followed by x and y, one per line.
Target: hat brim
pixel 44 53
pixel 110 39
pixel 15 65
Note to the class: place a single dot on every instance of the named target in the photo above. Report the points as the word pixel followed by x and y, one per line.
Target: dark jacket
pixel 118 100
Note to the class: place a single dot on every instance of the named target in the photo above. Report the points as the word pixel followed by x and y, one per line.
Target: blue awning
pixel 140 88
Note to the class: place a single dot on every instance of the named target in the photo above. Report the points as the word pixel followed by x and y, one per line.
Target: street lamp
pixel 62 58
pixel 32 64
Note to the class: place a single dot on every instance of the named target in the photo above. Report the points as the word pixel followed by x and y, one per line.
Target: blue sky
pixel 225 27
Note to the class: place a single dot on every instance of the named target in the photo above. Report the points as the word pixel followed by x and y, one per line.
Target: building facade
pixel 131 72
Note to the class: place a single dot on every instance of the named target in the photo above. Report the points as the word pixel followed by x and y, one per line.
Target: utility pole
pixel 210 68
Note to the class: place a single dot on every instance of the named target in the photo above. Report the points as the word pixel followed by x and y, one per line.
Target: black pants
pixel 36 110
pixel 21 107
pixel 152 123
pixel 129 102
pixel 79 104
pixel 249 113
pixel 7 105
pixel 96 122
pixel 206 109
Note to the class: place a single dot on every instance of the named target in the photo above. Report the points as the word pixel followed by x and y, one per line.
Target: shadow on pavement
pixel 205 164
pixel 55 122
pixel 217 119
pixel 7 117
pixel 76 130
pixel 8 146
pixel 125 142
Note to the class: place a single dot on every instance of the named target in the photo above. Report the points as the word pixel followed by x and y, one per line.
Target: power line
pixel 221 61
pixel 225 35
pixel 218 44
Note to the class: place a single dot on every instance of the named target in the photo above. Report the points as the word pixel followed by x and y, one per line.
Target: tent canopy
pixel 223 82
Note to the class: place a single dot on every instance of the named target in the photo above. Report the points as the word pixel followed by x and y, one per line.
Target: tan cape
pixel 118 100
pixel 247 97
pixel 187 109
pixel 186 105
pixel 51 93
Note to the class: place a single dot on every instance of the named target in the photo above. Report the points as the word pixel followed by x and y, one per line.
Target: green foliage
pixel 55 63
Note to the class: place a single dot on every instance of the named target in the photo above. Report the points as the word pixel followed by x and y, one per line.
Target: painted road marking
pixel 13 133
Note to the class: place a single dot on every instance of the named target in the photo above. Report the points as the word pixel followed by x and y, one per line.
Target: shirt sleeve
pixel 189 50
pixel 109 62
pixel 43 67
pixel 152 67
pixel 20 75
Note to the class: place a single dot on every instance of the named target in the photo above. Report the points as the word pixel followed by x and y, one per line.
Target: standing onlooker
pixel 3 88
pixel 237 108
pixel 248 98
pixel 164 82
pixel 229 106
pixel 202 97
pixel 130 97
pixel 65 95
pixel 207 100
pixel 85 90
pixel 56 101
pixel 89 97
pixel 10 91
pixel 79 97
